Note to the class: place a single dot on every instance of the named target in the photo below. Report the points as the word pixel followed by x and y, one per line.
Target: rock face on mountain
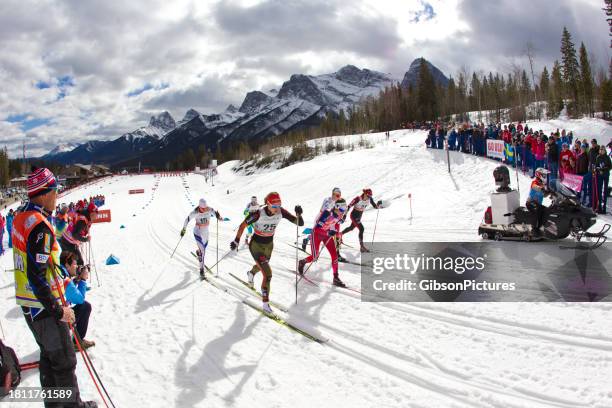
pixel 412 76
pixel 301 102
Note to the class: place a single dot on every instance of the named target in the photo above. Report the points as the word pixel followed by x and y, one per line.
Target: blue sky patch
pixel 427 13
pixel 27 124
pixel 42 85
pixel 146 87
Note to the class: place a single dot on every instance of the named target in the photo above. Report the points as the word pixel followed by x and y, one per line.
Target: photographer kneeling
pixel 75 282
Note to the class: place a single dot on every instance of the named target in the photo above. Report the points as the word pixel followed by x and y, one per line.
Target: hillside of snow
pixel 166 339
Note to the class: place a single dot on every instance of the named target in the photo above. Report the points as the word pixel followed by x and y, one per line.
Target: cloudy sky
pixel 76 70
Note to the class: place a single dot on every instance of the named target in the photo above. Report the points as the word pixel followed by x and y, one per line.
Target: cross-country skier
pixel 202 215
pixel 326 228
pixel 264 221
pixel 328 204
pixel 252 206
pixel 359 204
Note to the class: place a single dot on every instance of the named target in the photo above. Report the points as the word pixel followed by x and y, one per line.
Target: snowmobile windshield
pixel 563 190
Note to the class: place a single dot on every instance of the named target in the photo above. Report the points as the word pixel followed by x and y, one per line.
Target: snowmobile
pixel 564 217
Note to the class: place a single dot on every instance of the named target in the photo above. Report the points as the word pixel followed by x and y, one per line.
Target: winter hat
pixel 40 182
pixel 202 203
pixel 92 207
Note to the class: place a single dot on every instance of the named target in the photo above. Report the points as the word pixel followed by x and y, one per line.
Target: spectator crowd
pixel 560 152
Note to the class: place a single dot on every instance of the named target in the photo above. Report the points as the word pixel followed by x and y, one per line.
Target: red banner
pixel 137 191
pixel 101 216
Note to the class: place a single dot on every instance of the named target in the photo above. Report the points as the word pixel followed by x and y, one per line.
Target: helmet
pixel 273 199
pixel 202 203
pixel 336 190
pixel 254 200
pixel 367 191
pixel 92 207
pixel 541 174
pixel 341 205
pixel 501 176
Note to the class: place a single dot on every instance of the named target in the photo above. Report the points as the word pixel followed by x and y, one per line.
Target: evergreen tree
pixel 426 95
pixel 544 84
pixel 570 68
pixel 555 99
pixel 4 168
pixel 586 80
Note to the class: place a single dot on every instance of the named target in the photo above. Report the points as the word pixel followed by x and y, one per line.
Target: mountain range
pixel 302 101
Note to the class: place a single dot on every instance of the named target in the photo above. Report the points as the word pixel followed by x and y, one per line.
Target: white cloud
pixel 205 55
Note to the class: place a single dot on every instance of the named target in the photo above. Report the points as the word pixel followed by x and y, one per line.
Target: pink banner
pixel 572 181
pixel 495 149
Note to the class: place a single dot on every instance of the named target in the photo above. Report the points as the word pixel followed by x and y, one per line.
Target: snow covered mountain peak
pixel 62 148
pixel 254 101
pixel 163 121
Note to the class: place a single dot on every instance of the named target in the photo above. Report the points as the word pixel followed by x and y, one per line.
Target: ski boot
pixel 304 243
pixel 337 282
pixel 199 254
pixel 265 306
pixel 301 265
pixel 85 344
pixel 341 258
pixel 251 279
pixel 202 275
pixel 363 248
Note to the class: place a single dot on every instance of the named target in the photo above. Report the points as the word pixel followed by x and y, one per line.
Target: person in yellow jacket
pixel 39 289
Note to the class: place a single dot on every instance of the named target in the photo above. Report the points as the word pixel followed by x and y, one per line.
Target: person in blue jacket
pixel 9 226
pixel 452 140
pixel 75 283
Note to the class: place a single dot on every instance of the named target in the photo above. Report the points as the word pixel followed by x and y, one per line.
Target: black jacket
pixel 603 164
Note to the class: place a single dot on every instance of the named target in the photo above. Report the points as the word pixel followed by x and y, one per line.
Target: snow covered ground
pixel 165 339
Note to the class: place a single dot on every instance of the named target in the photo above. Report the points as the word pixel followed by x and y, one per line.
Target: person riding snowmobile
pixel 536 196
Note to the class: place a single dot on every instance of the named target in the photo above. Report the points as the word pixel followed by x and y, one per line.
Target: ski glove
pixel 298 210
pixel 183 232
pixel 379 203
pixel 234 245
pixel 331 233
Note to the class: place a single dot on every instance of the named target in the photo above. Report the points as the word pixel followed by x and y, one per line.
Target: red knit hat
pixel 40 182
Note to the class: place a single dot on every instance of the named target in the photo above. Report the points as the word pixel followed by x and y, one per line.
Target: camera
pixel 82 269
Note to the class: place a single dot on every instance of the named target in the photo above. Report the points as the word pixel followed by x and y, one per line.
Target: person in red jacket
pixel 506 135
pixel 564 159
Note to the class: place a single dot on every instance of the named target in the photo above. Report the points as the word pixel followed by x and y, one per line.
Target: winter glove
pixel 379 203
pixel 234 245
pixel 298 210
pixel 183 232
pixel 331 233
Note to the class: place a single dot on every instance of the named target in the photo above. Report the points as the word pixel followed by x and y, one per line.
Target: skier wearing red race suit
pixel 327 226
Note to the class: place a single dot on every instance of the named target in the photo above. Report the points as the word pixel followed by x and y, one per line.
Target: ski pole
pixel 375 224
pixel 217 264
pixel 177 244
pixel 94 263
pixel 222 258
pixel 297 234
pixel 88 363
pixel 2 330
pixel 410 200
pixel 316 259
